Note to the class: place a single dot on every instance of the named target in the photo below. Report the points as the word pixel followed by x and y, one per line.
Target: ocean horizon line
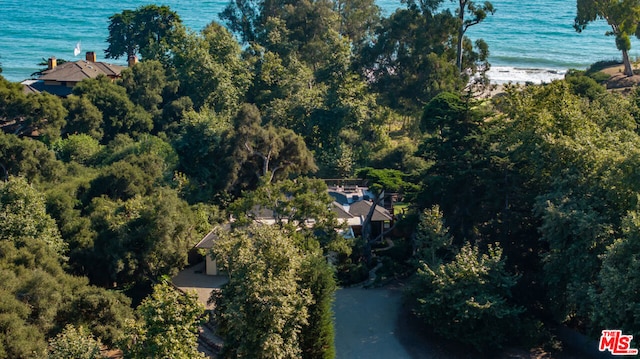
pixel 559 48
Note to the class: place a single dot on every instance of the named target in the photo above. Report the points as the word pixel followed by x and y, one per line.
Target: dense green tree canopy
pixel 119 114
pixel 38 297
pixel 28 158
pixel 168 325
pixel 210 69
pixel 23 216
pixel 120 180
pixel 477 289
pixel 413 58
pixel 263 307
pixel 149 30
pixel 455 182
pixel 39 115
pixel 146 83
pixel 143 237
pixel 265 152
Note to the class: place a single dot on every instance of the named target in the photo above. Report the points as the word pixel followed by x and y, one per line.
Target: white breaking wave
pixel 501 75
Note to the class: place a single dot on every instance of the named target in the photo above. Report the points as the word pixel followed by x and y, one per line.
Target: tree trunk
pixel 628 70
pixel 461 31
pixel 460 39
pixel 366 227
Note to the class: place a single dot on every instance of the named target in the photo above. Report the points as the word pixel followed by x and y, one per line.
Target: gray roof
pixel 361 208
pixel 38 86
pixel 340 211
pixel 211 237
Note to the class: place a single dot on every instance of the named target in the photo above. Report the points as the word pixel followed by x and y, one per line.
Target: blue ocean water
pixel 527 39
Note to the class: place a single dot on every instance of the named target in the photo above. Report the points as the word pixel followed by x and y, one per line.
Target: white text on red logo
pixel 616 343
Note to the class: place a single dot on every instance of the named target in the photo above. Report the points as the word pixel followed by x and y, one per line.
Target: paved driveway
pixel 366 324
pixel 195 279
pixel 372 324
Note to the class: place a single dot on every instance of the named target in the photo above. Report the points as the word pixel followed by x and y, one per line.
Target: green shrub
pixel 585 86
pixel 600 77
pixel 79 148
pixel 467 299
pixel 617 299
pixel 75 343
pixel 352 273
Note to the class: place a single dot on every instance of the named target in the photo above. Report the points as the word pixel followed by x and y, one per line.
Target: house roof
pixel 361 208
pixel 211 237
pixel 38 86
pixel 207 241
pixel 340 211
pixel 77 71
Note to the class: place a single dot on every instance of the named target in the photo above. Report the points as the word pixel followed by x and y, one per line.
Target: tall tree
pixel 623 17
pixel 167 327
pixel 478 309
pixel 469 13
pixel 201 144
pixel 145 84
pixel 211 70
pixel 307 29
pixel 242 17
pixel 149 30
pixel 431 238
pixel 454 141
pixel 265 151
pixel 413 58
pixel 358 20
pixel 263 308
pixel 317 337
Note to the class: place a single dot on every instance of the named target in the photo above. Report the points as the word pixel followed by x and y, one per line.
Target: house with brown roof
pixel 60 79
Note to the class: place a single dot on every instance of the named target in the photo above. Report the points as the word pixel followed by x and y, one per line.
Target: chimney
pixel 91 56
pixel 52 63
pixel 133 59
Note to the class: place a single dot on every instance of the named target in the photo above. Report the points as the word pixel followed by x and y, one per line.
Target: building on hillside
pixel 351 205
pixel 205 244
pixel 60 79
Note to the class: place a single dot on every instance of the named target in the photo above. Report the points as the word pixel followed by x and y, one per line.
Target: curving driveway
pixel 367 325
pixel 372 324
